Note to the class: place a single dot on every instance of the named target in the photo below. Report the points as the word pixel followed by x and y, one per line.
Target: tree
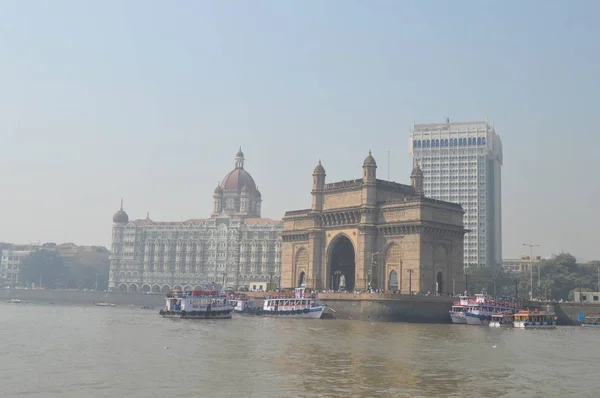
pixel 42 267
pixel 491 280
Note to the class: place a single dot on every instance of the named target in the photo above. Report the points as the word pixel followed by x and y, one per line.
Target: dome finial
pixel 239 159
pixel 121 204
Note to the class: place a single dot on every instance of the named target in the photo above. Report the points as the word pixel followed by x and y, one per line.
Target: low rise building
pixel 520 264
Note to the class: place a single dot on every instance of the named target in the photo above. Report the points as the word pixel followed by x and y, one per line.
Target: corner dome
pixel 369 161
pixel 120 217
pixel 416 171
pixel 218 190
pixel 319 169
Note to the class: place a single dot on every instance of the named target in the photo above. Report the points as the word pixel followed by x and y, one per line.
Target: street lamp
pixel 371 269
pixel 531 268
pixel 410 272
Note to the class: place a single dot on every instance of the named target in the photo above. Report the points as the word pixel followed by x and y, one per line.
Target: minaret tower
pixel 369 194
pixel 416 178
pixel 120 219
pixel 318 187
pixel 217 201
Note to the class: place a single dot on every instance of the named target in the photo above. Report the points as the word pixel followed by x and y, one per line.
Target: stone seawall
pixel 84 298
pixel 389 307
pixel 567 312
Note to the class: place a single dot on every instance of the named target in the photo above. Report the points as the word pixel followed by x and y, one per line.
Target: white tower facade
pixel 462 163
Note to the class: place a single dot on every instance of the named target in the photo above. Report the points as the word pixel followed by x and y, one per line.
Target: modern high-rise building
pixel 462 163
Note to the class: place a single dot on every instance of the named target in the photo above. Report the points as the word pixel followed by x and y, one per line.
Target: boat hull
pixel 496 324
pixel 533 325
pixel 199 315
pixel 313 313
pixel 458 317
pixel 476 319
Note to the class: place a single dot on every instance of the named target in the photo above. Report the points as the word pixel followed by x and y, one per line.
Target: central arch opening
pixel 342 265
pixel 393 285
pixel 439 283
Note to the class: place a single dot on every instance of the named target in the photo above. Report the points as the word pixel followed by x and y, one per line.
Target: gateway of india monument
pixel 235 247
pixel 371 232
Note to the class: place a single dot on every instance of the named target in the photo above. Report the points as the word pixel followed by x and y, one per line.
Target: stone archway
pixel 155 289
pixel 301 264
pixel 439 283
pixel 123 288
pixel 341 267
pixel 146 288
pixel 132 288
pixel 393 262
pixel 393 282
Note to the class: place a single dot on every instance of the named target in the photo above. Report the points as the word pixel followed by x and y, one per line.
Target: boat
pixel 146 307
pixel 502 319
pixel 457 313
pixel 243 305
pixel 591 320
pixel 526 319
pixel 197 304
pixel 105 304
pixel 480 310
pixel 298 305
pixel 14 301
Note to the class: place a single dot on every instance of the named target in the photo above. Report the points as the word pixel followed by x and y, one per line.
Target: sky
pixel 149 101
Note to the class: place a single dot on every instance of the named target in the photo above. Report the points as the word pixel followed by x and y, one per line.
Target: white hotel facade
pixel 234 247
pixel 462 163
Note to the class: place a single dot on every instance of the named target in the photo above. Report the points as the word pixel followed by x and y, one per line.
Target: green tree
pixel 45 266
pixel 491 280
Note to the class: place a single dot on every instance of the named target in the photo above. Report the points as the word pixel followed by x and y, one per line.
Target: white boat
pixel 197 304
pixel 526 319
pixel 243 305
pixel 481 310
pixel 502 319
pixel 457 313
pixel 14 301
pixel 299 305
pixel 105 304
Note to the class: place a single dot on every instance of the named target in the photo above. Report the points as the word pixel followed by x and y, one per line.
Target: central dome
pixel 237 179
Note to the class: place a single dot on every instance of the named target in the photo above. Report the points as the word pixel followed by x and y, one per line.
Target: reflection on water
pixel 98 352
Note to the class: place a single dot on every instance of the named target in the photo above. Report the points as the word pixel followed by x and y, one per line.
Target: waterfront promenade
pixel 373 307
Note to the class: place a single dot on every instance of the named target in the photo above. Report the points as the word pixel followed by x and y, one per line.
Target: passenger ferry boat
pixel 591 320
pixel 298 305
pixel 243 305
pixel 197 304
pixel 480 310
pixel 502 319
pixel 457 313
pixel 526 319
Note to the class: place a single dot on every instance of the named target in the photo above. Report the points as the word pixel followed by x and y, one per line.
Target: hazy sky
pixel 149 101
